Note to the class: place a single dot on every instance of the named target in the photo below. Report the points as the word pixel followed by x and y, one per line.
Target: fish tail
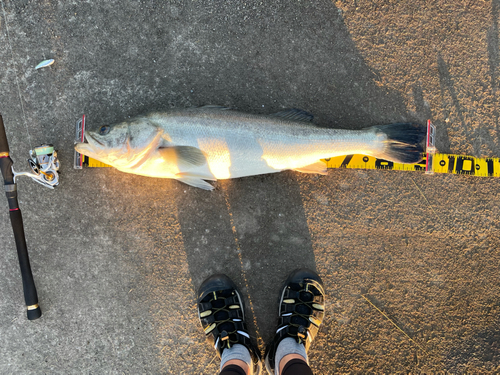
pixel 403 143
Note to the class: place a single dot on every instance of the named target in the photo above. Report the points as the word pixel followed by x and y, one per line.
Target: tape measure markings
pixel 93 163
pixel 443 163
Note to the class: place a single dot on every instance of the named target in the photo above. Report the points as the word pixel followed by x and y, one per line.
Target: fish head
pixel 122 145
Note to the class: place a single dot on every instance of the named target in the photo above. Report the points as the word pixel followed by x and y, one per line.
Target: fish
pixel 210 143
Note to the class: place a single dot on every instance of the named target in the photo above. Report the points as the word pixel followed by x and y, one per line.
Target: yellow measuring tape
pixel 442 163
pixel 93 163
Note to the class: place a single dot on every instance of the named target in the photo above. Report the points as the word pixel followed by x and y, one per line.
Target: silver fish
pixel 210 143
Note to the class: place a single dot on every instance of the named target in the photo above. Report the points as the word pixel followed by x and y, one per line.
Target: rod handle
pixel 4 145
pixel 30 294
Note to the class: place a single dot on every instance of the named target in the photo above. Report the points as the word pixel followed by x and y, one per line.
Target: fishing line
pixel 15 71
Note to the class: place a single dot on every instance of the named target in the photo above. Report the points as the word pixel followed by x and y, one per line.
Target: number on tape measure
pixel 466 165
pixel 384 164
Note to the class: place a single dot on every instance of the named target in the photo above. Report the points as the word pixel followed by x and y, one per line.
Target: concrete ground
pixel 409 261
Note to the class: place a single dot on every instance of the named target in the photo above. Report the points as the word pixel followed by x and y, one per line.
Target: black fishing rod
pixel 46 175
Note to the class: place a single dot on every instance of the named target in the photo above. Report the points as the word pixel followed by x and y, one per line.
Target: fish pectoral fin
pixel 196 182
pixel 318 167
pixel 183 156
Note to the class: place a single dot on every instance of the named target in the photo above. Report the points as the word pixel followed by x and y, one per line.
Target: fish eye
pixel 104 130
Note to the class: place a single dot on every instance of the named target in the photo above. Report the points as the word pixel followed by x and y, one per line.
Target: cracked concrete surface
pixel 117 258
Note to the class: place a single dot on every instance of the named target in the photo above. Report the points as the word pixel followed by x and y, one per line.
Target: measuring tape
pixel 431 161
pixel 442 163
pixel 92 163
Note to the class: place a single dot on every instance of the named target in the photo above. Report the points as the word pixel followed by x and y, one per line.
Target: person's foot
pixel 301 312
pixel 222 316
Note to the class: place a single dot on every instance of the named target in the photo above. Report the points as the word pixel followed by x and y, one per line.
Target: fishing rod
pixel 44 166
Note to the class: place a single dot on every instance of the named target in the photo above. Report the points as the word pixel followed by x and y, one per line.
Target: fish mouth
pixel 91 148
pixel 84 148
pixel 92 140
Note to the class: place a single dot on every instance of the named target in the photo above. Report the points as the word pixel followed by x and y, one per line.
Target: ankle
pixel 287 350
pixel 240 363
pixel 287 359
pixel 237 355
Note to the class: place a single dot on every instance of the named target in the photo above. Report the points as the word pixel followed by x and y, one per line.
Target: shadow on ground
pixel 117 258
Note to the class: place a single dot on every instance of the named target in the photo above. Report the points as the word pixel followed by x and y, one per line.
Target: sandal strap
pixel 301 314
pixel 222 318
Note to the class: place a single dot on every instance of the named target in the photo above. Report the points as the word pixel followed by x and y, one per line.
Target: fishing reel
pixel 44 165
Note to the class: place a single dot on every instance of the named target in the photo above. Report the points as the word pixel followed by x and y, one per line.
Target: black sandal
pixel 301 312
pixel 222 316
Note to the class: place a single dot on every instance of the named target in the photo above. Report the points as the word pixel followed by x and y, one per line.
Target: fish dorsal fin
pixel 183 156
pixel 318 167
pixel 294 114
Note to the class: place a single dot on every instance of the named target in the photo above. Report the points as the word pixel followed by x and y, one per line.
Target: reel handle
pixel 16 219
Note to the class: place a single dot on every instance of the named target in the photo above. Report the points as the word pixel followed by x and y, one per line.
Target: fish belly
pixel 238 145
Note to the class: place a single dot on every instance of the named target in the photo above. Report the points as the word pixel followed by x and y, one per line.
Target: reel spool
pixel 44 166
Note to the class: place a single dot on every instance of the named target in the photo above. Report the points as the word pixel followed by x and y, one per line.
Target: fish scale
pixel 210 143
